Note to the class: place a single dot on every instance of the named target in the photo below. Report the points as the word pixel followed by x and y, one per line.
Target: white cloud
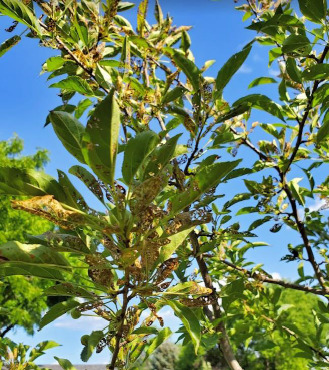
pixel 257 58
pixel 276 275
pixel 273 72
pixel 245 69
pixel 90 322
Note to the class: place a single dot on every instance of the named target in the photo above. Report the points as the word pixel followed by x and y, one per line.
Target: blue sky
pixel 217 33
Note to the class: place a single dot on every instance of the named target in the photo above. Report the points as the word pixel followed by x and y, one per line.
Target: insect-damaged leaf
pixel 88 179
pixel 8 44
pixel 189 320
pixel 102 135
pixel 57 310
pixel 230 68
pixel 160 157
pixel 136 151
pixel 69 131
pixel 49 208
pixel 141 15
pixel 209 177
pixel 175 241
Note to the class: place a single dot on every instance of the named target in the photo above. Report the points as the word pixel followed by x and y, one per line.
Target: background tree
pixel 162 213
pixel 21 298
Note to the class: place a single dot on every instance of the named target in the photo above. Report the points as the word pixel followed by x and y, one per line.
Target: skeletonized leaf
pixel 89 180
pixel 141 15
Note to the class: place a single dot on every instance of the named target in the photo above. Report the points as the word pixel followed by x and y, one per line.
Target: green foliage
pixel 163 212
pixel 21 357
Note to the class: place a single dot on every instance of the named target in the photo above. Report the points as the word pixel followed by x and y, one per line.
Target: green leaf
pixel 81 107
pixel 296 45
pixel 189 320
pixel 56 311
pixel 15 181
pixel 209 177
pixel 160 157
pixel 316 72
pixel 154 343
pixel 171 95
pixel 102 136
pixel 73 197
pixel 246 211
pixel 32 254
pixel 236 111
pixel 93 340
pixel 25 269
pixel 314 10
pixel 136 152
pixel 230 68
pixel 54 63
pixel 175 241
pixel 65 364
pixel 261 102
pixel 324 129
pixel 191 71
pixel 17 10
pixel 40 348
pixel 68 289
pixel 8 44
pixel 293 71
pixel 145 330
pixel 294 187
pixel 70 132
pixel 261 81
pixel 259 222
pixel 74 84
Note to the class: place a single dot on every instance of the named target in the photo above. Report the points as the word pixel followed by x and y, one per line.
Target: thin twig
pixel 266 279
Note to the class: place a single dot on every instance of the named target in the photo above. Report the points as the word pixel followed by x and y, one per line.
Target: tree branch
pixel 267 279
pixel 6 330
pixel 119 333
pixel 224 342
